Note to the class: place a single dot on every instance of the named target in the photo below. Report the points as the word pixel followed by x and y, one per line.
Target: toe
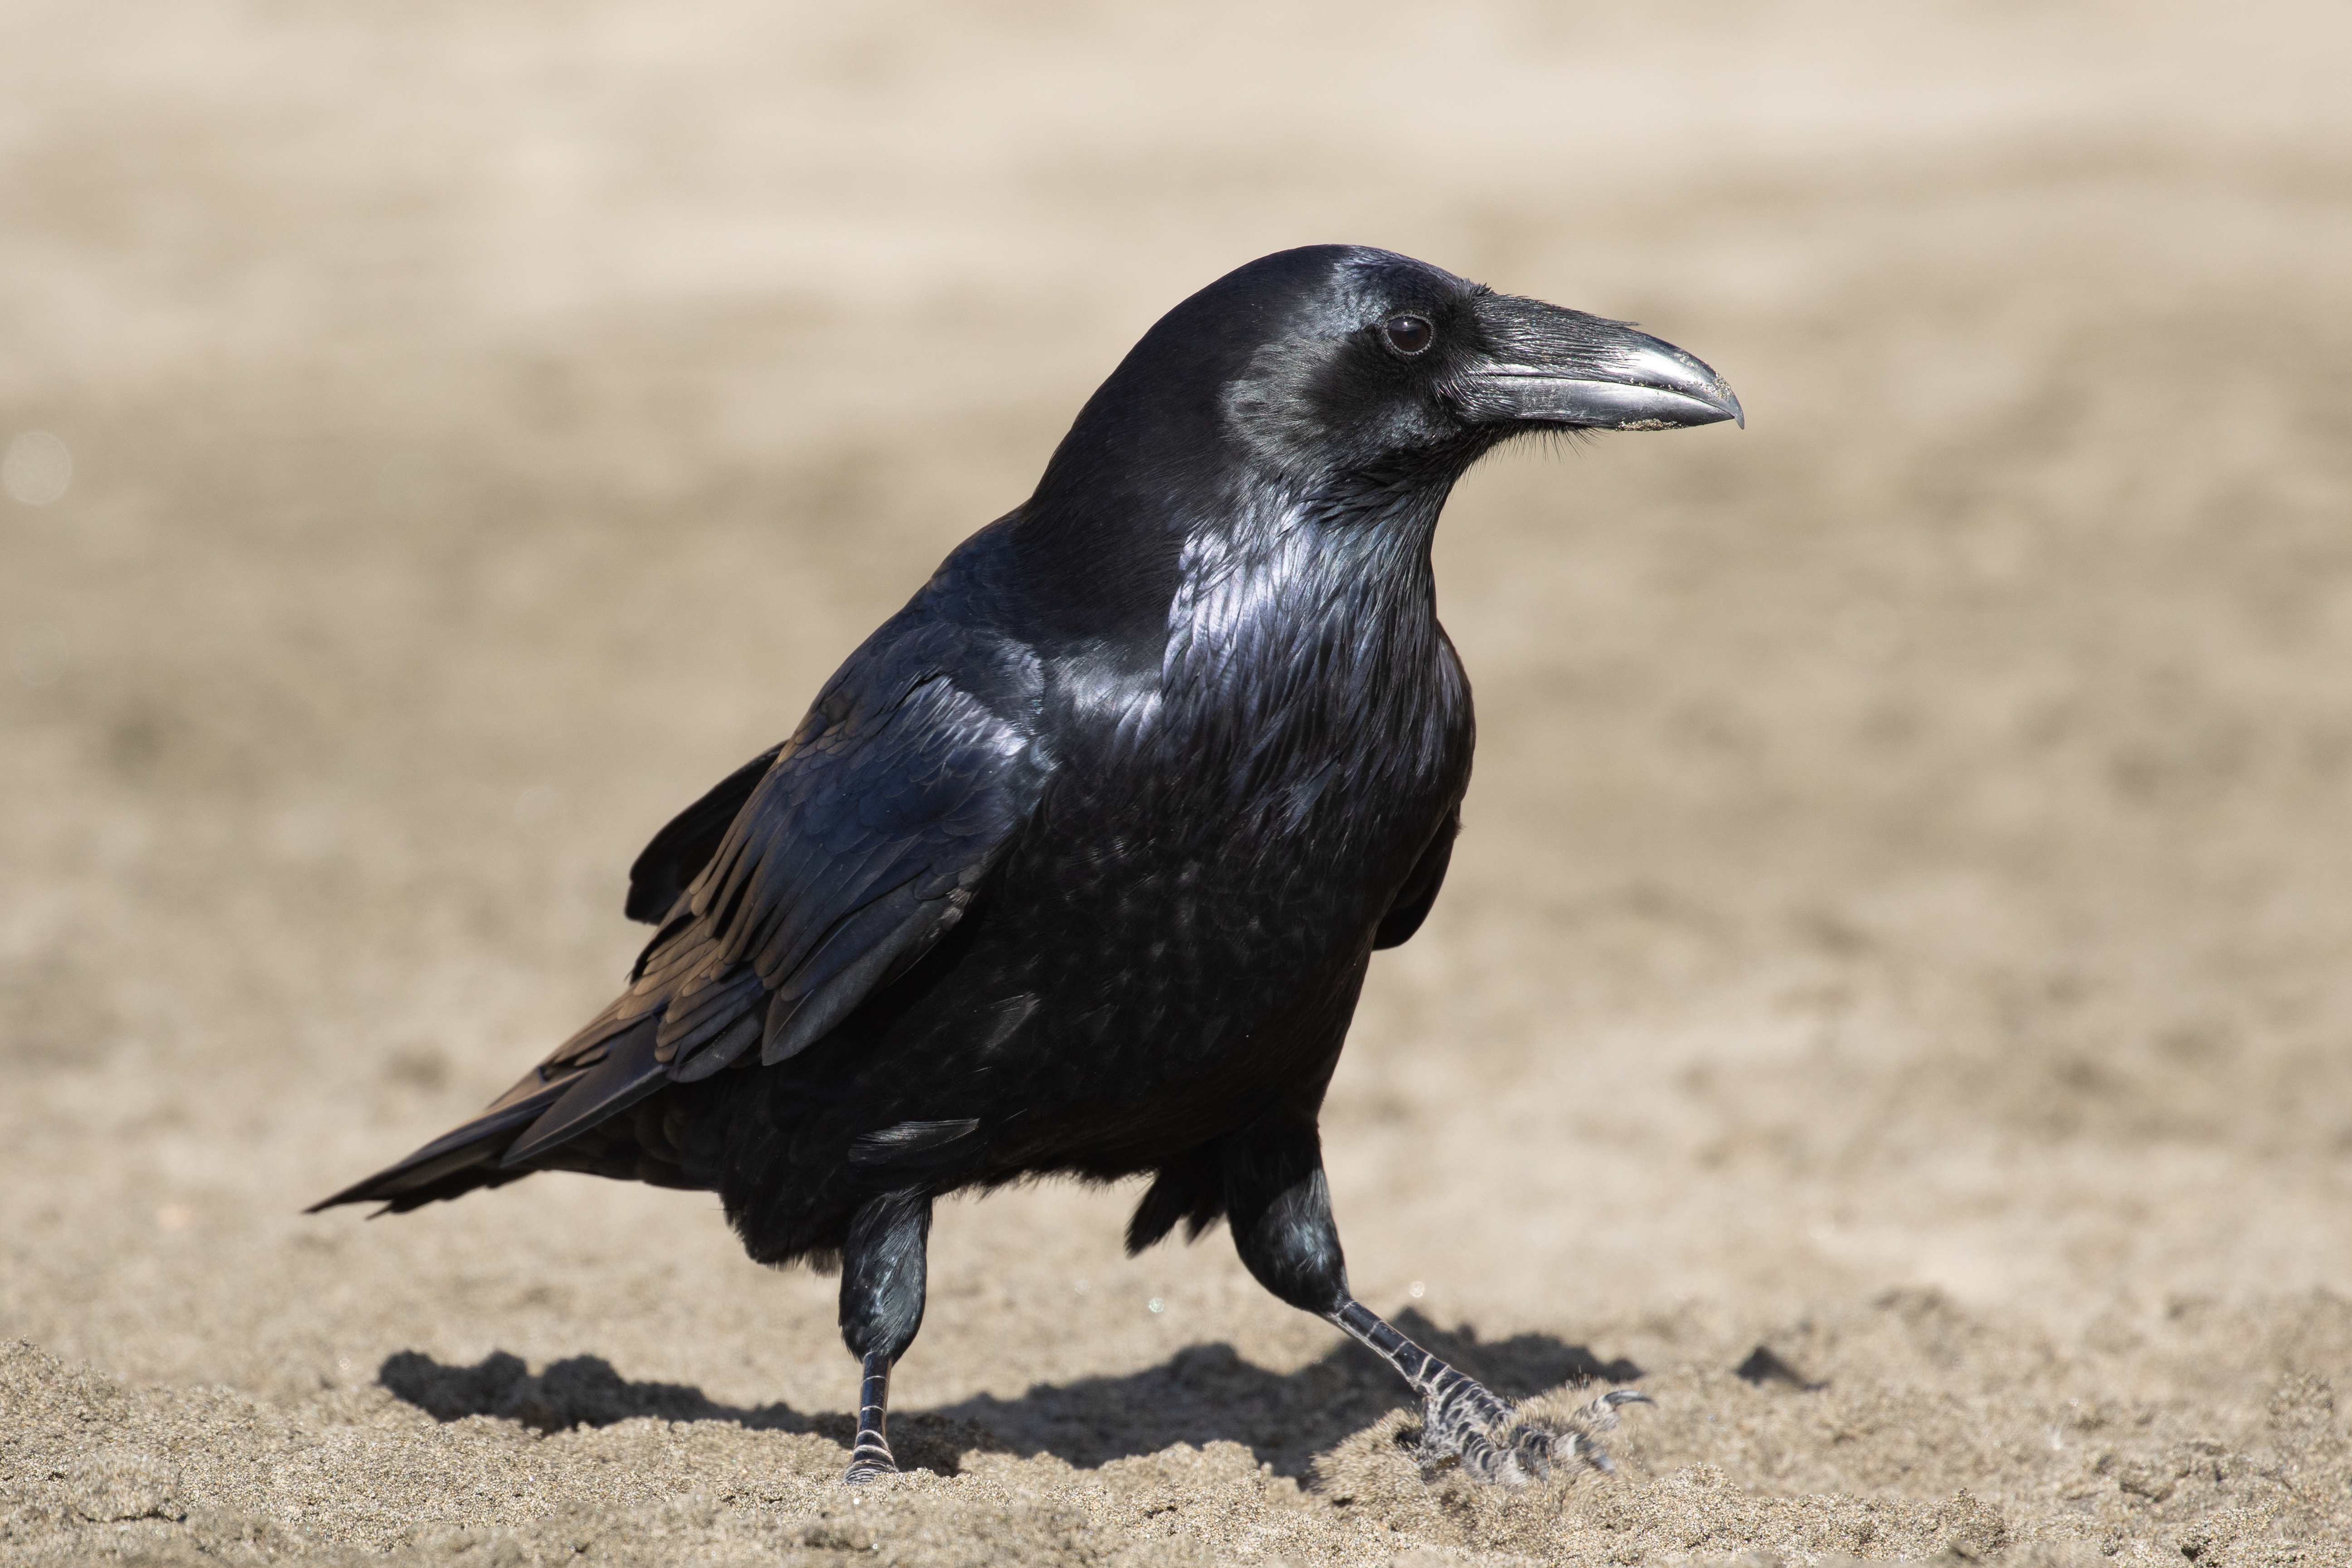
pixel 1496 1464
pixel 867 1467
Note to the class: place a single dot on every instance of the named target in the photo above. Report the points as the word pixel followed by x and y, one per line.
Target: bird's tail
pixel 539 1124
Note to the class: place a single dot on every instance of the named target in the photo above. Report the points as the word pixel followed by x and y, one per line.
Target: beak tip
pixel 1724 404
pixel 1728 401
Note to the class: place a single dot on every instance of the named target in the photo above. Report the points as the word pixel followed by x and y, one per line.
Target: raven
pixel 1077 865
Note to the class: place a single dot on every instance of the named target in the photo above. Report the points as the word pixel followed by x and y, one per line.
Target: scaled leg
pixel 872 1455
pixel 1462 1419
pixel 882 1266
pixel 1279 1207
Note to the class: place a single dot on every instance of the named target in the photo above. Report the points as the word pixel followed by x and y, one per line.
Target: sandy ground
pixel 1903 922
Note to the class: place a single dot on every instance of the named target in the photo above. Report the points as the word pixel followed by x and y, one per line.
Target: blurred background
pixel 1909 845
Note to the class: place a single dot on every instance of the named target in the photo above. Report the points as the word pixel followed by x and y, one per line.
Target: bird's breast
pixel 1290 771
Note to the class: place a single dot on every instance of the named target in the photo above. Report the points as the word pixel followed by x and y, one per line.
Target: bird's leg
pixel 1463 1419
pixel 881 1309
pixel 1279 1207
pixel 872 1455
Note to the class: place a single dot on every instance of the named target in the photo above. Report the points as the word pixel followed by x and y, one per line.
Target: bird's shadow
pixel 1203 1393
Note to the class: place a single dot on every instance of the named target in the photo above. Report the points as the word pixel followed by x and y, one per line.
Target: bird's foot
pixel 1466 1423
pixel 870 1461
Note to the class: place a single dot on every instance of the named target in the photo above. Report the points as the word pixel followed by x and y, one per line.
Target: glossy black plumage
pixel 1077 863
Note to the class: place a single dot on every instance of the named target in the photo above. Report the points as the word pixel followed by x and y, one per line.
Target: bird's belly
pixel 1104 1009
pixel 1137 976
pixel 1142 1013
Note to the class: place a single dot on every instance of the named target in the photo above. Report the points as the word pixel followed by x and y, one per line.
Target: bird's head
pixel 1341 365
pixel 1335 381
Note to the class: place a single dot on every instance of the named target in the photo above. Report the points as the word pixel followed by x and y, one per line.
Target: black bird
pixel 1078 864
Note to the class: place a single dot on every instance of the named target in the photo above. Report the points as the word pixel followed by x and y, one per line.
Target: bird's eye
pixel 1408 334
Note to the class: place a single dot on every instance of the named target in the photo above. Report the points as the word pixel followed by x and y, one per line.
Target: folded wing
pixel 860 843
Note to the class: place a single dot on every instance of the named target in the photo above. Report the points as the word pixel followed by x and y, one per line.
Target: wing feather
pixel 806 880
pixel 1419 895
pixel 677 853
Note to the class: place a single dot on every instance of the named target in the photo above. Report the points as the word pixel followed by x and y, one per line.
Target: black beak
pixel 1548 368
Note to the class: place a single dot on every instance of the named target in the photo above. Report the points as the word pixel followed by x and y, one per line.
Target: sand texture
pixel 1905 920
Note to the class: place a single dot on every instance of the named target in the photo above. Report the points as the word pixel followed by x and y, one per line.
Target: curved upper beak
pixel 1546 366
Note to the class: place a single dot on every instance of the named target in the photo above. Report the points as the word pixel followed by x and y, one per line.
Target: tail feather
pixel 478 1142
pixel 528 1122
pixel 629 1072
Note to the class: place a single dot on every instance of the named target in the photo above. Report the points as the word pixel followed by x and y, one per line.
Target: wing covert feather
pixel 857 849
pixel 1413 900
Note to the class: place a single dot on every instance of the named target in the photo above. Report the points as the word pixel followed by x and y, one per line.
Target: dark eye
pixel 1408 334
